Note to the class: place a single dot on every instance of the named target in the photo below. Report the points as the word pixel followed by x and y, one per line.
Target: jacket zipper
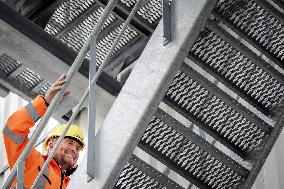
pixel 62 178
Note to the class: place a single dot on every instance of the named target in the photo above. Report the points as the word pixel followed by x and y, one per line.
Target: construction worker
pixel 64 163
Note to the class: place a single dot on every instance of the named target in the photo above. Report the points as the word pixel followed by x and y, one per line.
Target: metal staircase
pixel 230 85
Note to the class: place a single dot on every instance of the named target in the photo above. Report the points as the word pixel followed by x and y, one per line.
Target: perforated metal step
pixel 189 155
pixel 239 72
pixel 251 20
pixel 73 27
pixel 24 79
pixel 211 109
pixel 138 174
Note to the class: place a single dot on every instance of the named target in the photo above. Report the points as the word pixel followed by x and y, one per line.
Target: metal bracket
pixel 167 21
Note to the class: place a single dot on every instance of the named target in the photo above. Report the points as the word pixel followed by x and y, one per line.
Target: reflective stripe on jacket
pixel 15 134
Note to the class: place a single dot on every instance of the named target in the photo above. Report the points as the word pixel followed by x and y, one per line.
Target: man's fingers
pixel 62 77
pixel 57 86
pixel 55 89
pixel 59 83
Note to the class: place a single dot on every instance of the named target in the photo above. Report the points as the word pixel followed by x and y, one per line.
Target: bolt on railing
pixel 75 66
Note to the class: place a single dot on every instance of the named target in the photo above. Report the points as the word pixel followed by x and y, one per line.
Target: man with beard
pixel 15 134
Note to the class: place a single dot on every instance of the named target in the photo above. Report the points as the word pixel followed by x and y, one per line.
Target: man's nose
pixel 73 148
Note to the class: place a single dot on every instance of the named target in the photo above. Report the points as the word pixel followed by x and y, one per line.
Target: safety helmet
pixel 73 132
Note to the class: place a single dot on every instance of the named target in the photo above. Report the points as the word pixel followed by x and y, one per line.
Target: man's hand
pixel 57 86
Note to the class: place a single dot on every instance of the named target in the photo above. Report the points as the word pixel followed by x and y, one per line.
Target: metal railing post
pixel 92 111
pixel 20 175
pixel 75 66
pixel 94 80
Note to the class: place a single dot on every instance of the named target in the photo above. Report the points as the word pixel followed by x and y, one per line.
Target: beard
pixel 65 159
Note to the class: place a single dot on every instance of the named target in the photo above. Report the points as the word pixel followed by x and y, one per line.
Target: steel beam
pixel 251 41
pixel 153 173
pixel 143 91
pixel 126 56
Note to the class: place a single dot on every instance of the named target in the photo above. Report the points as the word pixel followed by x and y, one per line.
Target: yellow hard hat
pixel 73 132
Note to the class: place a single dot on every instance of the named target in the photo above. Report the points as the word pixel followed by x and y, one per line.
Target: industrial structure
pixel 194 86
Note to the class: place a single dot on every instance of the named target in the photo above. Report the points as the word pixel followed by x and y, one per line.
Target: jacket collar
pixel 67 172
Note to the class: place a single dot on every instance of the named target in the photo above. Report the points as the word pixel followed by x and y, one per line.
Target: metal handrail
pixel 75 66
pixel 85 95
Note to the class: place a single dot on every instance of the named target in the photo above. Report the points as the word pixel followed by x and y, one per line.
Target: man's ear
pixel 50 144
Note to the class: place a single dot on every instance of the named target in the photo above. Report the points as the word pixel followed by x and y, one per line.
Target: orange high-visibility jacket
pixel 15 134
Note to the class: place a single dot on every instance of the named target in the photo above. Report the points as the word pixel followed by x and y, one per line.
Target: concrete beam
pixel 31 55
pixel 142 93
pixel 38 59
pixel 42 62
pixel 3 91
pixel 53 46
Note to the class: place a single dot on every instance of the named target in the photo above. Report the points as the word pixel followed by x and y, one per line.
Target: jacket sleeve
pixel 16 130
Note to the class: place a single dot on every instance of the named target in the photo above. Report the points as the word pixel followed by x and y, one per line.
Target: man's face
pixel 68 153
